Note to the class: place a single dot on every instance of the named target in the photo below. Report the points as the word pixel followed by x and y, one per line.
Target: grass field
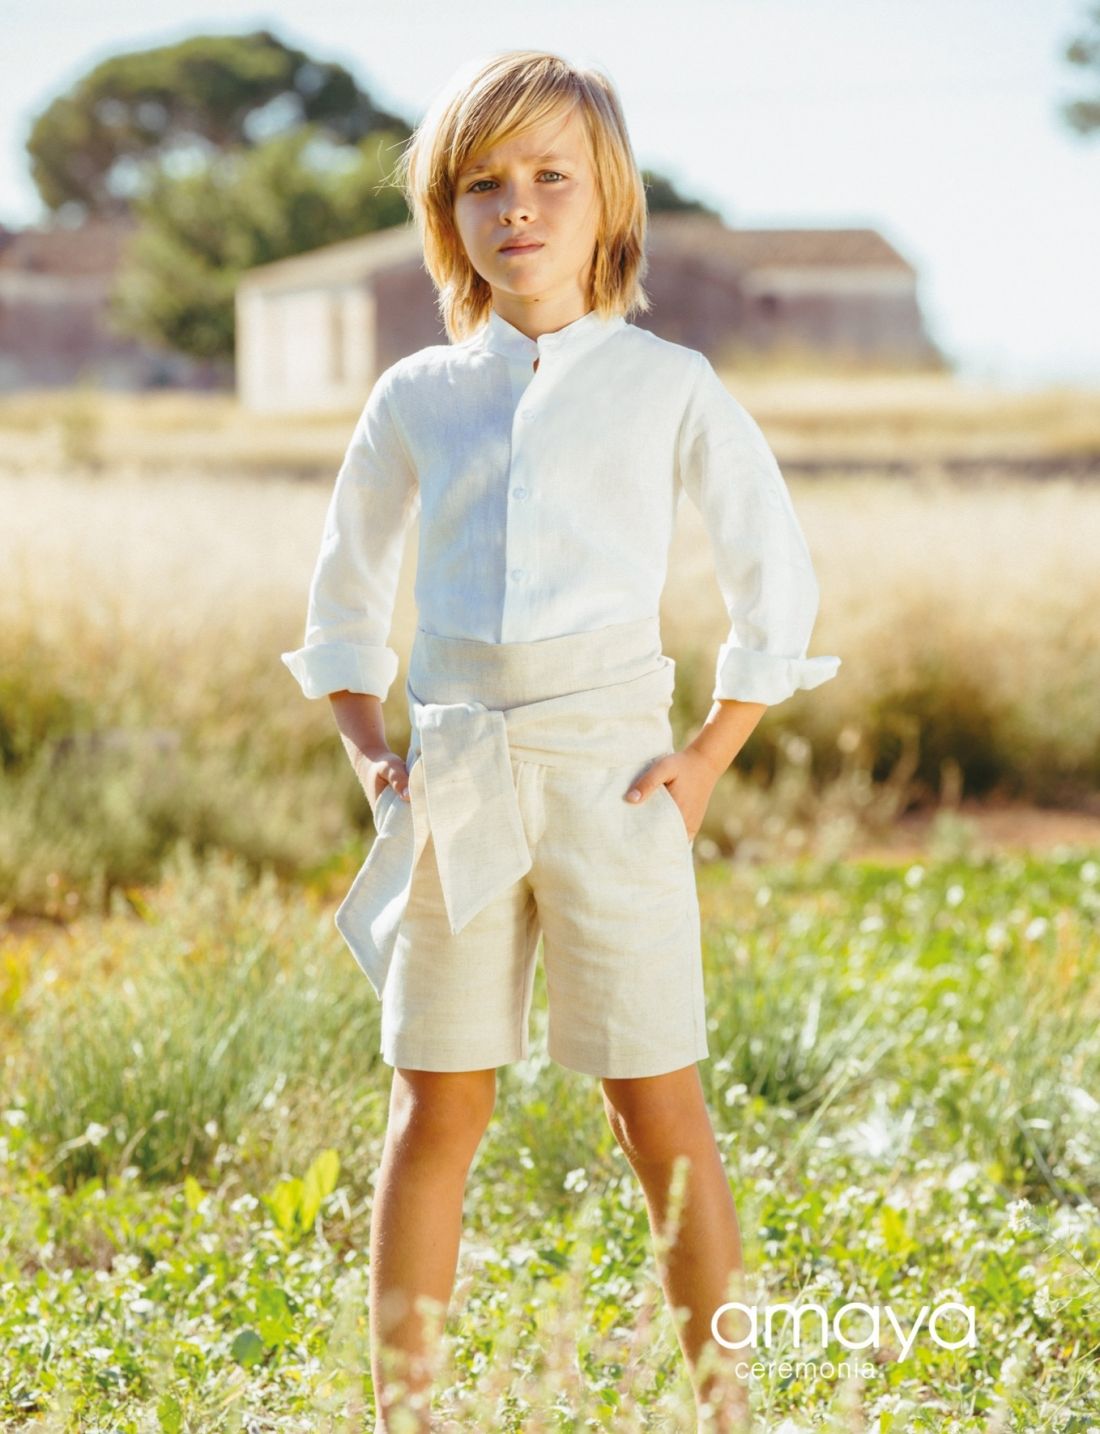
pixel 905 1053
pixel 903 1075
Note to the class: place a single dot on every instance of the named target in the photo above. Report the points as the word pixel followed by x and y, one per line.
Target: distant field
pixel 818 418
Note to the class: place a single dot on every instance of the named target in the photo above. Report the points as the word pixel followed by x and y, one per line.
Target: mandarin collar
pixel 505 339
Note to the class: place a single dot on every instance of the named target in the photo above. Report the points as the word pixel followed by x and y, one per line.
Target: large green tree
pixel 136 115
pixel 200 232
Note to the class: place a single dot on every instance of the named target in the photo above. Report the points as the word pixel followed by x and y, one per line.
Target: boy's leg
pixel 659 1120
pixel 436 1121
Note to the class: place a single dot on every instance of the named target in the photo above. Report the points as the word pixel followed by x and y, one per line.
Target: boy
pixel 545 449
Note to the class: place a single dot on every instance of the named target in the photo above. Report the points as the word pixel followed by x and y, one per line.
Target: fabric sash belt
pixel 597 698
pixel 461 783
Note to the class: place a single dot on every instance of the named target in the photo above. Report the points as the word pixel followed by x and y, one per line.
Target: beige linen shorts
pixel 611 893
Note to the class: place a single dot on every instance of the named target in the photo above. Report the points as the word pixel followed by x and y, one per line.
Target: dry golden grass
pixel 157 598
pixel 178 561
pixel 209 574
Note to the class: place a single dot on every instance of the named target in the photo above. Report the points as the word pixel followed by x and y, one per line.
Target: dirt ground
pixel 995 829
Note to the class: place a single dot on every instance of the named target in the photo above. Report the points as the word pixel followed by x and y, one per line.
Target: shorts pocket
pixel 663 794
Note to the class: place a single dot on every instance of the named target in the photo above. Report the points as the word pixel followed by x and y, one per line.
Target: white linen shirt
pixel 547 499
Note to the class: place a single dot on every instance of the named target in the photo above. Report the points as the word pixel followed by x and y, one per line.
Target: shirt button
pixel 519 492
pixel 517 573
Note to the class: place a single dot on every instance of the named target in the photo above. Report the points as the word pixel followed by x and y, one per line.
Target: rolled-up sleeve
pixel 354 584
pixel 762 562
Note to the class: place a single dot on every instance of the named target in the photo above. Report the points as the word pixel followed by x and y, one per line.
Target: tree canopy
pixel 201 232
pixel 165 109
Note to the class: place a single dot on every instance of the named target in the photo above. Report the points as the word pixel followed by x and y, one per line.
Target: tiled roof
pixel 354 259
pixel 773 248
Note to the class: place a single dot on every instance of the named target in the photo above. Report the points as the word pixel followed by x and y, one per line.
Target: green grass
pixel 904 1079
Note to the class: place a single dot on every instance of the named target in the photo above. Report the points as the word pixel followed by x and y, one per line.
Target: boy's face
pixel 540 188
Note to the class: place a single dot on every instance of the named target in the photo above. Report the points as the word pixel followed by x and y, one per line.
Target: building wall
pixel 870 313
pixel 702 300
pixel 319 349
pixel 54 332
pixel 408 318
pixel 310 350
pixel 695 299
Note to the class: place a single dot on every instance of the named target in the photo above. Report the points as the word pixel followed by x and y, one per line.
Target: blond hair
pixel 505 95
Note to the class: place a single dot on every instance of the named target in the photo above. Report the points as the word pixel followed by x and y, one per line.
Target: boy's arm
pixel 354 584
pixel 762 564
pixel 363 732
pixel 728 727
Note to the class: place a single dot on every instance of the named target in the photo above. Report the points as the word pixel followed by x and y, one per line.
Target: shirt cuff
pixel 749 676
pixel 324 667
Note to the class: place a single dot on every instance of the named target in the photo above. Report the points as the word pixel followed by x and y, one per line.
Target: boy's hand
pixel 377 770
pixel 690 779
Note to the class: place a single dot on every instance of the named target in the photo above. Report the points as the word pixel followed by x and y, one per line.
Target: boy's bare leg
pixel 657 1120
pixel 436 1121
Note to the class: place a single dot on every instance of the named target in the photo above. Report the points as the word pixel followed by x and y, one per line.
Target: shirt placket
pixel 521 553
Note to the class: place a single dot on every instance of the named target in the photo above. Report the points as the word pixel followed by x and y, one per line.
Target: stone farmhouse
pixel 315 330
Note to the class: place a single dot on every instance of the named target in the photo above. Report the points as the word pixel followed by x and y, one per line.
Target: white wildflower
pixel 1016 1214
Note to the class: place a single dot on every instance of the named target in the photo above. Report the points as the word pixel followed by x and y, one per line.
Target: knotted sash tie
pixel 461 784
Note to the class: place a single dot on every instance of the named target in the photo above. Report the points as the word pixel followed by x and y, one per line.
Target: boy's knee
pixel 446 1108
pixel 646 1140
pixel 656 1121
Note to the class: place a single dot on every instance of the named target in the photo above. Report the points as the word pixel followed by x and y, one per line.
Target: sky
pixel 936 123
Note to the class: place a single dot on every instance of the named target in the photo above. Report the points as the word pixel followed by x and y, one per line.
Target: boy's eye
pixel 473 189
